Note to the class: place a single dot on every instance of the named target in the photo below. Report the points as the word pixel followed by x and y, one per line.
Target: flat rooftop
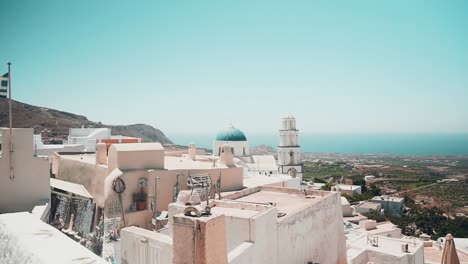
pixel 348 187
pixel 368 205
pixel 32 241
pixel 185 163
pixel 285 200
pixel 260 180
pixel 89 158
pixel 433 254
pixel 386 245
pixel 238 209
pixel 383 228
pixel 352 231
pixel 388 198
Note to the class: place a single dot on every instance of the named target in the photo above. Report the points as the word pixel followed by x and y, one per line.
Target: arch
pixel 292 172
pixel 291 157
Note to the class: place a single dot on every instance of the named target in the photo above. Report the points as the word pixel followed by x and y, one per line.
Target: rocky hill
pixel 263 150
pixel 54 124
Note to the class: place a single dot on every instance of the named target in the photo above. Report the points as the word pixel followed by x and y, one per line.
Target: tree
pixel 319 180
pixel 327 186
pixel 374 190
pixel 375 215
pixel 361 182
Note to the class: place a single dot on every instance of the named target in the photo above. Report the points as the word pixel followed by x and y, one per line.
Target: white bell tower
pixel 289 151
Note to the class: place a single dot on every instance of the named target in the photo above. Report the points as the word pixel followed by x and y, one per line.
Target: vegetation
pixel 449 195
pixel 431 221
pixel 366 193
pixel 327 186
pixel 324 170
pixel 375 215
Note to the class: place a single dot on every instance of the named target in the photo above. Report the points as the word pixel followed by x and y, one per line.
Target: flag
pixel 4 85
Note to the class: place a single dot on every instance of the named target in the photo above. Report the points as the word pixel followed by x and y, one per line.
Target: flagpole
pixel 12 175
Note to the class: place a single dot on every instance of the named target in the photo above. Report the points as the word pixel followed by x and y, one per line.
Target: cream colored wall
pixel 136 159
pixel 314 234
pixel 131 178
pixel 31 184
pixel 91 176
pixel 231 180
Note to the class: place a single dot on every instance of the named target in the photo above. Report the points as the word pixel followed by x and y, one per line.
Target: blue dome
pixel 231 134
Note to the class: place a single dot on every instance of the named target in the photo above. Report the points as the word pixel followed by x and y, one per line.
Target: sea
pixel 392 144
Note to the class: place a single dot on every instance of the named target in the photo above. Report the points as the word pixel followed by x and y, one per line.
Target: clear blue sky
pixel 338 66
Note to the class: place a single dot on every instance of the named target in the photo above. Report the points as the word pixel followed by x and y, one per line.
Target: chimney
pixel 199 240
pixel 227 158
pixel 404 248
pixel 192 151
pixel 101 153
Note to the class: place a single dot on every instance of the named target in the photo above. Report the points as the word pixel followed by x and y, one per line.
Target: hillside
pixel 54 124
pixel 263 150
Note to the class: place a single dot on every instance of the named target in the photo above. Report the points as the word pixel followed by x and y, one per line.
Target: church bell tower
pixel 289 151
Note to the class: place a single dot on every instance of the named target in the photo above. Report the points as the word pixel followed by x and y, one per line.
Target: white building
pixel 366 207
pixel 289 154
pixel 364 249
pixel 41 149
pixel 236 139
pixel 254 225
pixel 346 207
pixel 369 177
pixel 289 151
pixel 347 188
pixel 88 136
pixel 391 205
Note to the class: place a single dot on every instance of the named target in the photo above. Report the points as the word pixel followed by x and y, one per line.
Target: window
pixel 4 83
pixel 291 158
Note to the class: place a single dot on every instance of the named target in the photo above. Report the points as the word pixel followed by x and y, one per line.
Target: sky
pixel 194 66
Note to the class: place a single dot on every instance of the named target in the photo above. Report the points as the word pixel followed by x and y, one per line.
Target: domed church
pixel 289 153
pixel 235 138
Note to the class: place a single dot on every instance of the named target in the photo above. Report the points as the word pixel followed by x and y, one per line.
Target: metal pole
pixel 12 174
pixel 155 212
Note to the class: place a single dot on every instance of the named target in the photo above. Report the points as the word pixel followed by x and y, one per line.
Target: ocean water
pixel 395 144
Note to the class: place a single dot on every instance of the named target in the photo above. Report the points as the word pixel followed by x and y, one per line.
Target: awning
pixel 76 189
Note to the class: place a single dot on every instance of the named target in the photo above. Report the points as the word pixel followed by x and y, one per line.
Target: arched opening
pixel 292 172
pixel 291 158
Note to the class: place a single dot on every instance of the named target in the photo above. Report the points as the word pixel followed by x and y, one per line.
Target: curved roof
pixel 231 134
